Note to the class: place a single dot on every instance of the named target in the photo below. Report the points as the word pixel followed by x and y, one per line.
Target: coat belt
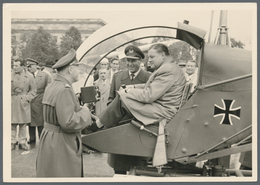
pixel 58 129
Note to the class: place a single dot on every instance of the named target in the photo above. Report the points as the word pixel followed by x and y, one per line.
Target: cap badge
pixel 131 51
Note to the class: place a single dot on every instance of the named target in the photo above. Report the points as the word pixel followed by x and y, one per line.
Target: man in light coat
pixel 23 90
pixel 104 86
pixel 42 79
pixel 159 98
pixel 60 147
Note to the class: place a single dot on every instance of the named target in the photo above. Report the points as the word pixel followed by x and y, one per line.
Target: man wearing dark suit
pixel 42 79
pixel 133 75
pixel 122 163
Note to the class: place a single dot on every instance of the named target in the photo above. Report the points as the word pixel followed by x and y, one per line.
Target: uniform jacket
pixel 42 79
pixel 160 96
pixel 23 90
pixel 124 162
pixel 60 147
pixel 104 93
pixel 122 77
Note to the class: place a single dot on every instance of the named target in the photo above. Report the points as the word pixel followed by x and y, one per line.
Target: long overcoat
pixel 161 95
pixel 104 93
pixel 42 79
pixel 122 77
pixel 60 147
pixel 23 90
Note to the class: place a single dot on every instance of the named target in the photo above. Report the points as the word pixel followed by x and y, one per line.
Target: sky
pixel 241 17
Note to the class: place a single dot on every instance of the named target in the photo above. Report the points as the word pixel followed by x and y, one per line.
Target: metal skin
pixel 194 128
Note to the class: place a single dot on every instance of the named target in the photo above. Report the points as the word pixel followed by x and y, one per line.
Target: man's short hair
pixel 194 61
pixel 160 48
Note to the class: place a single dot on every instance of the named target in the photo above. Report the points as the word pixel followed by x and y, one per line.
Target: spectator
pixel 23 90
pixel 103 85
pixel 114 68
pixel 191 74
pixel 42 79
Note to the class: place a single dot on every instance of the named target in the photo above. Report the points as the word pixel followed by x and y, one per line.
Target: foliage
pixel 236 44
pixel 40 46
pixel 71 39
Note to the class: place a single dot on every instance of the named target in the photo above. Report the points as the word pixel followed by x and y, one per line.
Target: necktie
pixel 33 75
pixel 132 76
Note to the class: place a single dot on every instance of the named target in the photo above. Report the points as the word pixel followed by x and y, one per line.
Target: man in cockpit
pixel 159 98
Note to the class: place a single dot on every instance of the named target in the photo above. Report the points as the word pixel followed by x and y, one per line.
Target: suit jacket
pixel 122 77
pixel 42 79
pixel 23 90
pixel 161 95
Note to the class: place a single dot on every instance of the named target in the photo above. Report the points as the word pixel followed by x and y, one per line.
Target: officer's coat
pixel 122 77
pixel 23 90
pixel 161 95
pixel 104 89
pixel 42 79
pixel 60 148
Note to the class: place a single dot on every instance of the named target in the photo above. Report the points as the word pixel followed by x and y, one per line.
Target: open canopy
pixel 111 39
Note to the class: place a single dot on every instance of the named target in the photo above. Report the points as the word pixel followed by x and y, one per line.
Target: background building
pixel 56 27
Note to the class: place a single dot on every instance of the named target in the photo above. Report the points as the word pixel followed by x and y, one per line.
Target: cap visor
pixel 132 57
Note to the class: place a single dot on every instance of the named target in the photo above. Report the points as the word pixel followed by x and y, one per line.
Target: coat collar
pixel 62 79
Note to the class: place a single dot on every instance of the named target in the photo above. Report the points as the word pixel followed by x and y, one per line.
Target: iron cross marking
pixel 227 112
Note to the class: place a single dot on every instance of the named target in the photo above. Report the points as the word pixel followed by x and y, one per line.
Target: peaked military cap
pixel 69 59
pixel 31 61
pixel 133 52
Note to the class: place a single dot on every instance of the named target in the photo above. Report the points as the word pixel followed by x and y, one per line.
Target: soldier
pixel 133 75
pixel 60 147
pixel 122 163
pixel 42 79
pixel 23 90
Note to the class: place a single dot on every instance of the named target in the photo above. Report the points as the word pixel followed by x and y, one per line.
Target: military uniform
pixel 122 163
pixel 60 148
pixel 42 79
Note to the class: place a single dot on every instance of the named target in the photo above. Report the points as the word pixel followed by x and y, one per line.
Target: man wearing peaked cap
pixel 42 80
pixel 64 119
pixel 133 52
pixel 70 58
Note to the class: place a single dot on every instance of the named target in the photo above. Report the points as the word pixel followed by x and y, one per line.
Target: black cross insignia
pixel 227 112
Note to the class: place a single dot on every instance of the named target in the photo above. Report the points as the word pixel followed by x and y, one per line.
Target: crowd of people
pixel 48 99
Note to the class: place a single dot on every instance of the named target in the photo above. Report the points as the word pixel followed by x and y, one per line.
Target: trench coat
pixel 42 79
pixel 122 77
pixel 161 95
pixel 60 147
pixel 23 90
pixel 104 93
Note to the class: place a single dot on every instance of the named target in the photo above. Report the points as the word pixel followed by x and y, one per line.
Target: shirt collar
pixel 136 73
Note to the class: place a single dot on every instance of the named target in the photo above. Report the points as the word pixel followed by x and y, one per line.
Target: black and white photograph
pixel 130 92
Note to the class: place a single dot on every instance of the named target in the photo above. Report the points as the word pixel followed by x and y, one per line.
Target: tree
pixel 40 46
pixel 71 39
pixel 236 44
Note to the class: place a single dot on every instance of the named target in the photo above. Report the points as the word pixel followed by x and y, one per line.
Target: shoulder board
pixel 67 86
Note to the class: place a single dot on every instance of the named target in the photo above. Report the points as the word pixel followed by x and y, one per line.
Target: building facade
pixel 56 27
